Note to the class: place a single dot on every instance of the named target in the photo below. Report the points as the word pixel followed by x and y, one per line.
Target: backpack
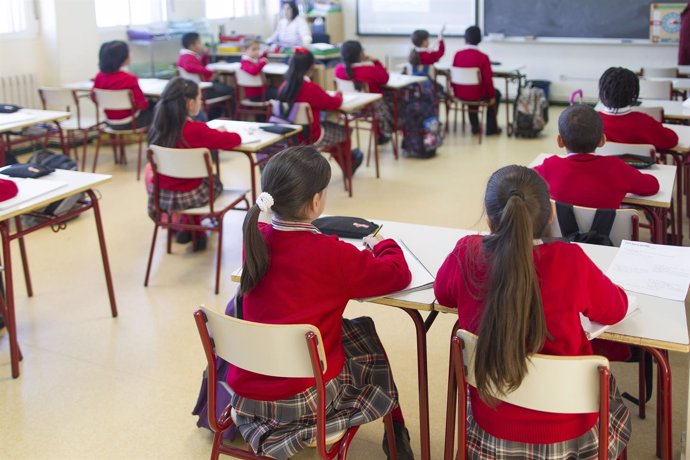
pixel 422 127
pixel 599 233
pixel 530 111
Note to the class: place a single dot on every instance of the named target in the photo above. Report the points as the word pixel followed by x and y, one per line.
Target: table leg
pixel 509 129
pixel 25 259
pixel 10 319
pixel 374 128
pixel 346 158
pixel 451 408
pixel 423 379
pixel 104 251
pixel 664 420
pixel 679 159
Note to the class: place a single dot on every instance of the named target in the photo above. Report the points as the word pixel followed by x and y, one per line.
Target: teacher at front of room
pixel 292 29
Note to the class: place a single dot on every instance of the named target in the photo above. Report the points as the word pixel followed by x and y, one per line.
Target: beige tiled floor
pixel 96 387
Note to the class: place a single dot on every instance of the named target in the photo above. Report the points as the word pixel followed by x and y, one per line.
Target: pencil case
pixel 27 170
pixel 637 161
pixel 345 227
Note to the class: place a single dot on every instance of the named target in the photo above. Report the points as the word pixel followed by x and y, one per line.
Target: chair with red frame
pixel 120 99
pixel 285 350
pixel 465 76
pixel 77 128
pixel 224 101
pixel 554 384
pixel 190 164
pixel 244 105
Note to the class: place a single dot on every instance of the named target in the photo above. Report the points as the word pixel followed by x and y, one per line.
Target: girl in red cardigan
pixel 293 274
pixel 173 126
pixel 529 293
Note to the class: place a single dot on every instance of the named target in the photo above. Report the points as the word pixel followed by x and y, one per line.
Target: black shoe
pixel 383 139
pixel 183 237
pixel 402 442
pixel 494 133
pixel 201 241
pixel 357 159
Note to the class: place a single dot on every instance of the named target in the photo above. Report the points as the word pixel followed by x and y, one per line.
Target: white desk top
pixel 149 86
pixel 672 109
pixel 254 138
pixel 272 68
pixel 75 182
pixel 665 174
pixel 354 102
pixel 683 132
pixel 29 117
pixel 500 69
pixel 684 70
pixel 398 80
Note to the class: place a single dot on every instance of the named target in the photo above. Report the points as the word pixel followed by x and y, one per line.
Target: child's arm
pixel 432 57
pixel 662 137
pixel 602 300
pixel 446 283
pixel 214 138
pixel 321 100
pixel 140 101
pixel 253 68
pixel 194 65
pixel 487 78
pixel 641 183
pixel 377 73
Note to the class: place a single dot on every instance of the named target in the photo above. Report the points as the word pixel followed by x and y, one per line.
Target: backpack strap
pixel 566 219
pixel 603 221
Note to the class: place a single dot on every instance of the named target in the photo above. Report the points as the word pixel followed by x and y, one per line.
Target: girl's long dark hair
pixel 512 325
pixel 351 53
pixel 171 112
pixel 618 87
pixel 300 63
pixel 292 177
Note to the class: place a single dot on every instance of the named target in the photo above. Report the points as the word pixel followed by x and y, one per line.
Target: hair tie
pixel 300 50
pixel 517 193
pixel 265 202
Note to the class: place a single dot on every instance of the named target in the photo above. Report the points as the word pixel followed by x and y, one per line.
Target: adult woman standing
pixel 292 29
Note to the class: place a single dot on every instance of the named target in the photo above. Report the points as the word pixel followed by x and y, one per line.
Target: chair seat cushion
pixel 228 199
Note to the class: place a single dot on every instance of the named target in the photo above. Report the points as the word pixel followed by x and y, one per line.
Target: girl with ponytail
pixel 293 274
pixel 522 295
pixel 173 126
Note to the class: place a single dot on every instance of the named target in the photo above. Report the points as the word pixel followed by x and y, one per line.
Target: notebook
pixel 593 329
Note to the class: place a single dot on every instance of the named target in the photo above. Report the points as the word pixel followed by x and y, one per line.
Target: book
pixel 593 329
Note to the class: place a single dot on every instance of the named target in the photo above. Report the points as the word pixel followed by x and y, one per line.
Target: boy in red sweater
pixel 618 92
pixel 113 57
pixel 421 56
pixel 521 295
pixel 193 59
pixel 470 56
pixel 583 178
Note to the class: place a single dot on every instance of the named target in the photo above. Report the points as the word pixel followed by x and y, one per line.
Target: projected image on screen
pixel 402 17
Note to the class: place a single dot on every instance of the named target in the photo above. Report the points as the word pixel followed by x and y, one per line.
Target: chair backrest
pixel 117 99
pixel 278 350
pixel 468 76
pixel 247 80
pixel 180 163
pixel 188 75
pixel 300 114
pixel 57 98
pixel 619 148
pixel 653 89
pixel 660 72
pixel 555 384
pixel 655 112
pixel 625 225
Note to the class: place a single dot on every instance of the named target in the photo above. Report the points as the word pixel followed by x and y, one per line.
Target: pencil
pixel 376 232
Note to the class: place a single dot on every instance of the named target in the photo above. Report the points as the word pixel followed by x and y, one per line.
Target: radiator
pixel 19 90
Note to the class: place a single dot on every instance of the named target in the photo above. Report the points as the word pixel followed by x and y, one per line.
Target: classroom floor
pixel 93 387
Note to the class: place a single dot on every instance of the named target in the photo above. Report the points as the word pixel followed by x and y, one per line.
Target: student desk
pixel 396 83
pixel 678 84
pixel 75 182
pixel 25 118
pixel 272 68
pixel 152 87
pixel 657 205
pixel 673 110
pixel 254 139
pixel 681 157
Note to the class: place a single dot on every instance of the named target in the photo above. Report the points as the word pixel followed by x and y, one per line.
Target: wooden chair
pixel 554 384
pixel 348 86
pixel 118 100
pixel 190 164
pixel 77 128
pixel 290 350
pixel 465 76
pixel 224 101
pixel 659 72
pixel 655 89
pixel 244 105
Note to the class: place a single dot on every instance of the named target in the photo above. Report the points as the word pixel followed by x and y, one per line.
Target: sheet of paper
pixel 594 329
pixel 657 270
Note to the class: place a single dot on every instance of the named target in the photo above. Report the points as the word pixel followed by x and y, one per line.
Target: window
pixel 13 16
pixel 111 13
pixel 219 9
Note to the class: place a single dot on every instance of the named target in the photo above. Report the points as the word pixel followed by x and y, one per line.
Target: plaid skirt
pixel 171 201
pixel 364 391
pixel 333 133
pixel 482 445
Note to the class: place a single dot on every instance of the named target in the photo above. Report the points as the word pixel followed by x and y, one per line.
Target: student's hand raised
pixel 443 30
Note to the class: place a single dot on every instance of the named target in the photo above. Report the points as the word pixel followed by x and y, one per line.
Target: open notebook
pixel 594 329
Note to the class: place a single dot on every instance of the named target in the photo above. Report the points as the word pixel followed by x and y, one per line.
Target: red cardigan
pixel 373 74
pixel 121 80
pixel 310 280
pixel 253 67
pixel 428 56
pixel 192 63
pixel 570 284
pixel 472 57
pixel 318 100
pixel 594 181
pixel 196 134
pixel 632 127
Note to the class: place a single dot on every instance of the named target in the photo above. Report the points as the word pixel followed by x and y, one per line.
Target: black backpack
pixel 599 233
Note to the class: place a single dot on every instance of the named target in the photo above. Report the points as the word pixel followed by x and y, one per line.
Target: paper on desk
pixel 593 329
pixel 661 271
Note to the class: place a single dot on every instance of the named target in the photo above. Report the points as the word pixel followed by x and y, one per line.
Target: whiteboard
pixel 402 17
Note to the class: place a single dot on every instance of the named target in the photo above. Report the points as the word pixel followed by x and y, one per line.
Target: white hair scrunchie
pixel 265 202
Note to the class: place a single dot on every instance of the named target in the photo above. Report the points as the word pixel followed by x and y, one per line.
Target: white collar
pixel 307 79
pixel 572 154
pixel 186 51
pixel 288 226
pixel 621 111
pixel 470 47
pixel 249 58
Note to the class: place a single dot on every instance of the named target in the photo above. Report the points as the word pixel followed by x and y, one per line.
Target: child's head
pixel 512 326
pixel 294 188
pixel 180 99
pixel 290 10
pixel 420 38
pixel 351 53
pixel 253 49
pixel 301 65
pixel 112 56
pixel 192 42
pixel 473 35
pixel 618 87
pixel 580 129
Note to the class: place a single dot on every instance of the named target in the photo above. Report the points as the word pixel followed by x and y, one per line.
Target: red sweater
pixel 373 74
pixel 566 292
pixel 594 181
pixel 253 67
pixel 196 134
pixel 472 57
pixel 121 80
pixel 318 100
pixel 428 56
pixel 192 63
pixel 310 280
pixel 632 127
